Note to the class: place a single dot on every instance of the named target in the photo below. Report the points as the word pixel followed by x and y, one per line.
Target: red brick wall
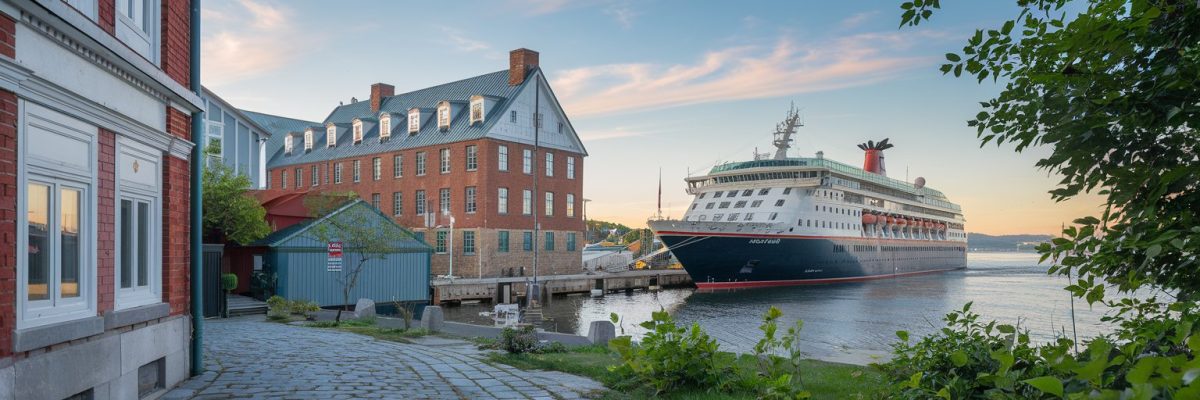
pixel 486 180
pixel 8 217
pixel 176 46
pixel 106 223
pixel 176 242
pixel 8 36
pixel 108 16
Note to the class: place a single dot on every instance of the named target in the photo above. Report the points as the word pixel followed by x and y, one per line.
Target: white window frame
pixel 397 203
pixel 443 115
pixel 376 168
pixel 331 135
pixel 502 200
pixel 570 167
pixel 287 144
pixel 570 205
pixel 357 171
pixel 385 126
pixel 337 173
pixel 444 160
pixel 549 206
pixel 470 197
pixel 527 202
pixel 414 121
pixel 420 162
pixel 477 110
pixel 444 200
pixel 308 140
pixel 358 132
pixel 145 39
pixel 472 158
pixel 56 172
pixel 138 192
pixel 549 164
pixel 502 158
pixel 527 161
pixel 397 165
pixel 315 175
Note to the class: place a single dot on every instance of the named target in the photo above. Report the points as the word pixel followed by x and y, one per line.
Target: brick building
pixel 463 149
pixel 96 106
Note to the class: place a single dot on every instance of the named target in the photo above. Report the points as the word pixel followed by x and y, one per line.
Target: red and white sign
pixel 335 257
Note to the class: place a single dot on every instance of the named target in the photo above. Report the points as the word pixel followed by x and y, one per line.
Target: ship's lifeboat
pixel 941 227
pixel 869 219
pixel 901 222
pixel 928 225
pixel 890 220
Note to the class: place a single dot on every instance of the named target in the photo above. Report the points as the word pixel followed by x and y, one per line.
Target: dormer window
pixel 287 144
pixel 331 135
pixel 358 134
pixel 385 126
pixel 443 114
pixel 308 140
pixel 414 121
pixel 476 109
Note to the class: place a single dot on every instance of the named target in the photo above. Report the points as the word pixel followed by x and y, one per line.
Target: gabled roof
pixel 402 244
pixel 493 85
pixel 279 127
pixel 241 114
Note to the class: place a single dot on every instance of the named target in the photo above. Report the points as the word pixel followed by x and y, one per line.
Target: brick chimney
pixel 378 92
pixel 520 62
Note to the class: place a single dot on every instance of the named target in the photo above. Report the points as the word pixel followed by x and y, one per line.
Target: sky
pixel 673 85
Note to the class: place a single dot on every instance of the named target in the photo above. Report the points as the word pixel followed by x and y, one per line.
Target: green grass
pixel 825 380
pixel 367 327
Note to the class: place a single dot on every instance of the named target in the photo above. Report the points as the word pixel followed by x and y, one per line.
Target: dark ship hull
pixel 730 260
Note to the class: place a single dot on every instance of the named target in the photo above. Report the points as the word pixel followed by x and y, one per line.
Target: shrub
pixel 669 356
pixel 521 340
pixel 777 376
pixel 551 347
pixel 303 308
pixel 278 308
pixel 229 282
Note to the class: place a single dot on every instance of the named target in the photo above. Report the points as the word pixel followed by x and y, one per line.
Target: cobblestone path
pixel 247 357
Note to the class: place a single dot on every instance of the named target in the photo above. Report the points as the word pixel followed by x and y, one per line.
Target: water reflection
pixel 847 322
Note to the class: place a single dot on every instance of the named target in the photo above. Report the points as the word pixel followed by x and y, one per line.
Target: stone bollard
pixel 600 332
pixel 365 308
pixel 431 318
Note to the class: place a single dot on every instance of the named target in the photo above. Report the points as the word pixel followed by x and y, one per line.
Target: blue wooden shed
pixel 300 259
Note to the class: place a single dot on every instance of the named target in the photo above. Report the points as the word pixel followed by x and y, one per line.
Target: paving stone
pixel 247 357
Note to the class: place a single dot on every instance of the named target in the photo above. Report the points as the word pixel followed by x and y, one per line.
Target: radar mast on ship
pixel 784 131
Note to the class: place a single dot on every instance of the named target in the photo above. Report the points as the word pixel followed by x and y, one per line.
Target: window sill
pixel 130 316
pixel 47 335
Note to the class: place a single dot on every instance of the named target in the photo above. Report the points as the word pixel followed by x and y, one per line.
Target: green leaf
pixel 1047 384
pixel 1153 251
pixel 903 335
pixel 944 393
pixel 953 57
pixel 959 358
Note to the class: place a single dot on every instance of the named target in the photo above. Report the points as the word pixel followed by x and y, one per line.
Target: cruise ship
pixel 777 221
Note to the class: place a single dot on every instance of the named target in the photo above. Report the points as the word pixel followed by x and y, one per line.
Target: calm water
pixel 850 322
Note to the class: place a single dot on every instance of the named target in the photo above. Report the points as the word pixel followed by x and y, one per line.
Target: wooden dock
pixel 508 290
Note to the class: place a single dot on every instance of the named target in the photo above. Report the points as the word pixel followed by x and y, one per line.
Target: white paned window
pixel 570 205
pixel 139 224
pixel 283 179
pixel 299 177
pixel 56 224
pixel 420 163
pixel 314 176
pixel 138 26
pixel 472 158
pixel 357 171
pixel 358 132
pixel 502 158
pixel 419 203
pixel 287 144
pixel 414 121
pixel 385 126
pixel 527 161
pixel 443 115
pixel 445 161
pixel 527 202
pixel 549 164
pixel 444 200
pixel 476 110
pixel 570 167
pixel 502 200
pixel 308 140
pixel 397 166
pixel 549 204
pixel 337 173
pixel 331 135
pixel 376 168
pixel 397 203
pixel 470 197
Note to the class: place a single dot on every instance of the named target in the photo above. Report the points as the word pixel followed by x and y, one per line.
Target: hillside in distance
pixel 979 241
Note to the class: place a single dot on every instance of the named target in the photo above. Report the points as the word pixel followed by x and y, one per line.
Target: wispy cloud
pixel 856 20
pixel 737 73
pixel 622 13
pixel 250 38
pixel 616 133
pixel 463 43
